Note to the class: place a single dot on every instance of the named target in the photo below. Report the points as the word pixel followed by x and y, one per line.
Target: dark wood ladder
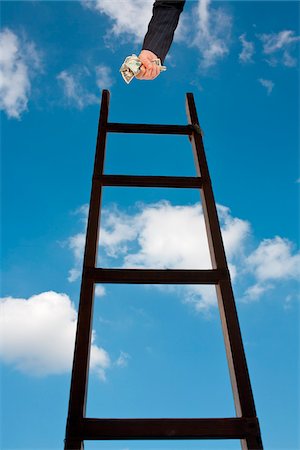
pixel 79 428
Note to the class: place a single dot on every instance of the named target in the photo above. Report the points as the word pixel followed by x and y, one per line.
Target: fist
pixel 149 70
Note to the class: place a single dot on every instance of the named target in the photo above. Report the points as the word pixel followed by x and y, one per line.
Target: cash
pixel 132 66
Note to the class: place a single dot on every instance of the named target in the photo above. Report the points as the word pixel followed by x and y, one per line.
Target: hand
pixel 149 70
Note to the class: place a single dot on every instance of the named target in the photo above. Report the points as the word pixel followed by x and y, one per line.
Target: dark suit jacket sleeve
pixel 162 26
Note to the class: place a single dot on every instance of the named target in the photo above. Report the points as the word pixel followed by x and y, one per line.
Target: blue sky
pixel 157 352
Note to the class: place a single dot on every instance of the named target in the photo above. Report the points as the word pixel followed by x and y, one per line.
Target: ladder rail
pixel 80 370
pixel 239 375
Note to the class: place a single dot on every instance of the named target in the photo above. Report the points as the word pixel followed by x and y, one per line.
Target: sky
pixel 156 351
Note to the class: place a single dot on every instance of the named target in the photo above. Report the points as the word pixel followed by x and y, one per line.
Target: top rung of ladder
pixel 141 128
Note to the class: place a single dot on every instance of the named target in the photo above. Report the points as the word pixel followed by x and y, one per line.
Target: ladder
pixel 245 425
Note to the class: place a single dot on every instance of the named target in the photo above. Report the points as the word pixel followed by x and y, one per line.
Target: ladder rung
pixel 228 428
pixel 153 276
pixel 145 128
pixel 150 181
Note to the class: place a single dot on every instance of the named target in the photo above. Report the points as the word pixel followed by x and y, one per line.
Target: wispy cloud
pixel 254 292
pixel 78 84
pixel 268 84
pixel 277 41
pixel 122 360
pixel 19 62
pixel 247 50
pixel 100 290
pixel 128 18
pixel 104 79
pixel 213 32
pixel 74 88
pixel 37 335
pixel 278 46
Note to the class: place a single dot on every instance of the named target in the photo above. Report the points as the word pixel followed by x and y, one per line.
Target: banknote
pixel 132 66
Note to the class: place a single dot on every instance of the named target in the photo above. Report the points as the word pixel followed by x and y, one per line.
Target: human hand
pixel 149 70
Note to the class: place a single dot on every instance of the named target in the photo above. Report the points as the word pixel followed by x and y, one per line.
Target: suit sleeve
pixel 162 26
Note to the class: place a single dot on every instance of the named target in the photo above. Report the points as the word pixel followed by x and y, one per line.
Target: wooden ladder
pixel 79 428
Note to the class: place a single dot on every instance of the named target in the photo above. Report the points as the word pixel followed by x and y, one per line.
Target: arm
pixel 159 36
pixel 162 26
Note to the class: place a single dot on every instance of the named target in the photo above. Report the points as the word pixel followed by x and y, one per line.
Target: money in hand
pixel 132 66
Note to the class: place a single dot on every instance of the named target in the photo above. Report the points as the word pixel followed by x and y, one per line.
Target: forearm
pixel 162 26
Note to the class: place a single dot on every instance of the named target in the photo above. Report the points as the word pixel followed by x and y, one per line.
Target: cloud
pixel 100 290
pixel 76 244
pixel 122 360
pixel 19 62
pixel 288 60
pixel 79 82
pixel 130 19
pixel 37 335
pixel 274 260
pixel 213 32
pixel 277 41
pixel 104 79
pixel 119 229
pixel 268 84
pixel 247 50
pixel 169 237
pixel 280 44
pixel 256 291
pixel 165 236
pixel 73 86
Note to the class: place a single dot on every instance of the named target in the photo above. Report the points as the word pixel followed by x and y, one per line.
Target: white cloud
pixel 162 235
pixel 37 335
pixel 247 50
pixel 213 30
pixel 268 84
pixel 256 291
pixel 129 17
pixel 74 274
pixel 122 360
pixel 104 79
pixel 118 230
pixel 201 297
pixel 170 237
pixel 73 85
pixel 276 41
pixel 166 236
pixel 100 290
pixel 76 244
pixel 77 84
pixel 274 260
pixel 19 61
pixel 234 231
pixel 280 44
pixel 288 60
